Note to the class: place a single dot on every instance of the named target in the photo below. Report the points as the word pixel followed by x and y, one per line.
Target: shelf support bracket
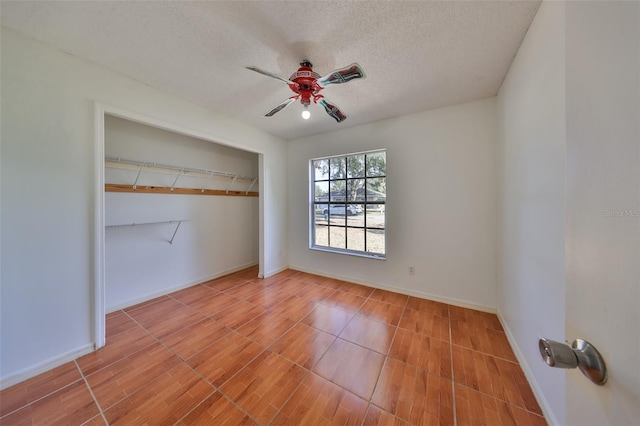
pixel 231 184
pixel 135 184
pixel 253 182
pixel 176 180
pixel 175 232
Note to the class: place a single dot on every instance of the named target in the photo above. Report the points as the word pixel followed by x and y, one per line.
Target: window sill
pixel 349 252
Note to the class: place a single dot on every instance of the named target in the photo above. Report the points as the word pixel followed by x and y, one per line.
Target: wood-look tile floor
pixel 292 349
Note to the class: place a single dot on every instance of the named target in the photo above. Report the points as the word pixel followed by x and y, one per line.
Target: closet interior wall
pixel 158 242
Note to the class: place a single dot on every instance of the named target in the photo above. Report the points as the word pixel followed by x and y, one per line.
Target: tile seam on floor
pixel 207 315
pixel 246 364
pixel 95 400
pixel 281 334
pixel 391 414
pixel 486 353
pixel 231 330
pixel 218 388
pixel 206 347
pixel 368 348
pixel 144 304
pixel 181 361
pixel 235 330
pixel 342 308
pixel 231 288
pixel 151 381
pixel 210 316
pixel 119 359
pixel 509 403
pixel 196 406
pixel 310 326
pixel 122 312
pixel 308 372
pixel 240 407
pixel 386 359
pixel 310 369
pixel 40 398
pixel 215 388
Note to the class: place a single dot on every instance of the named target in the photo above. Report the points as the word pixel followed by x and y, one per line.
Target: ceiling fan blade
pixel 280 107
pixel 333 110
pixel 269 74
pixel 342 75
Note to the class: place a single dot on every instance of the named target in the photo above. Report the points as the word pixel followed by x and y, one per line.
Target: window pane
pixel 321 169
pixel 355 239
pixel 375 219
pixel 357 219
pixel 377 164
pixel 337 237
pixel 336 213
pixel 321 214
pixel 338 191
pixel 355 190
pixel 376 189
pixel 321 192
pixel 355 166
pixel 375 241
pixel 337 167
pixel 322 235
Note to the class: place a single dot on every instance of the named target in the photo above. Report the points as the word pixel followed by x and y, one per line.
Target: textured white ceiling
pixel 417 55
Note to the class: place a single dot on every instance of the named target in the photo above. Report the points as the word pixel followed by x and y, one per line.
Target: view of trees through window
pixel 349 195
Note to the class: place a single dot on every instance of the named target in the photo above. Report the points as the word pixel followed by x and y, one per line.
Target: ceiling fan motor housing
pixel 305 83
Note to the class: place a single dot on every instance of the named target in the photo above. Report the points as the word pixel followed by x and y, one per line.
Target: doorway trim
pixel 100 110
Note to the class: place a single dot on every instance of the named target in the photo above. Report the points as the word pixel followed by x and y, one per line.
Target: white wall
pixel 531 117
pixel 441 204
pixel 221 234
pixel 48 194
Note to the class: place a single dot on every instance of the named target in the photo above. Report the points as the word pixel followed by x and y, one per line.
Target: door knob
pixel 580 354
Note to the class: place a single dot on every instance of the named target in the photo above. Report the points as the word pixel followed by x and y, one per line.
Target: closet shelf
pixel 166 222
pixel 117 162
pixel 177 171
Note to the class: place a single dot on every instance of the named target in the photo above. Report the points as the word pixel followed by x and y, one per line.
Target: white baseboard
pixel 166 291
pixel 275 271
pixel 44 366
pixel 420 294
pixel 537 392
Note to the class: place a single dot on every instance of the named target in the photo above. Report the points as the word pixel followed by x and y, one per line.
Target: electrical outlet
pixel 412 270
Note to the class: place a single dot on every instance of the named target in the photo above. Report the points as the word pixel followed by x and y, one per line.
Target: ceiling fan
pixel 307 84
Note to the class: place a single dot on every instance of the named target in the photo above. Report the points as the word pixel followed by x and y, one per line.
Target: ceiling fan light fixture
pixel 305 112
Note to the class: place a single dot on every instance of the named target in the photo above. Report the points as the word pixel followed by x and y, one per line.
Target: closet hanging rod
pixel 126 225
pixel 165 222
pixel 181 170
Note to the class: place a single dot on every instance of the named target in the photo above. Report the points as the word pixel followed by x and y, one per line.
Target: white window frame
pixel 318 205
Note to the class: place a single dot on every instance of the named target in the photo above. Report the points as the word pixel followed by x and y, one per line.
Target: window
pixel 348 209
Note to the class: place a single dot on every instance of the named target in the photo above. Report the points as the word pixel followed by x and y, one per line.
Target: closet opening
pixel 174 208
